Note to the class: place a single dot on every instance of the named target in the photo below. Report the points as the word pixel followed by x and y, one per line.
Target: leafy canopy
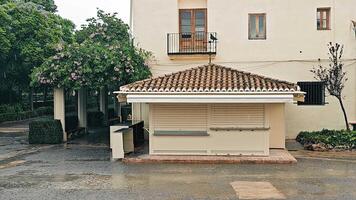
pixel 47 5
pixel 28 36
pixel 103 55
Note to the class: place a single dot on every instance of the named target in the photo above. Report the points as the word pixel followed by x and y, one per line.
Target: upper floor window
pixel 192 20
pixel 193 30
pixel 257 27
pixel 323 18
pixel 315 93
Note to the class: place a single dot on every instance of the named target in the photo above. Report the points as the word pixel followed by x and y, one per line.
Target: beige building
pixel 213 110
pixel 280 39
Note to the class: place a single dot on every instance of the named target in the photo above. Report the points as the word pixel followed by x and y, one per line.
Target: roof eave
pixel 211 98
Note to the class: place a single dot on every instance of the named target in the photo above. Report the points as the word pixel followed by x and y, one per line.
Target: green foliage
pixel 103 55
pixel 11 108
pixel 28 36
pixel 95 119
pixel 17 112
pixel 45 131
pixel 329 137
pixel 41 111
pixel 47 5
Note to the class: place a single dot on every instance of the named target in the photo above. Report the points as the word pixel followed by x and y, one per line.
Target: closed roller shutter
pixel 187 117
pixel 237 115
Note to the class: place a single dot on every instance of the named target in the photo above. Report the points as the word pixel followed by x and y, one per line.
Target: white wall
pixel 259 128
pixel 293 46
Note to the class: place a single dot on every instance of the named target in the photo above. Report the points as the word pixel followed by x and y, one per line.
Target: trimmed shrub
pixel 11 108
pixel 26 115
pixel 44 111
pixel 15 113
pixel 45 131
pixel 8 117
pixel 332 138
pixel 95 119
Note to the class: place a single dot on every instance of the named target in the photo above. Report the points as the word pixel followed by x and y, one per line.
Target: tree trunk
pixel 344 111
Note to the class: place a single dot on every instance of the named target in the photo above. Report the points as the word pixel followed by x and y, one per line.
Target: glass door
pixel 192 30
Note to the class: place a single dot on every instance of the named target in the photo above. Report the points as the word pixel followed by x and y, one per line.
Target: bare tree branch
pixel 334 77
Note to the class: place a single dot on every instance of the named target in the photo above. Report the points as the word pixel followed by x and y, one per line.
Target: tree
pixel 103 55
pixel 28 36
pixel 47 5
pixel 334 77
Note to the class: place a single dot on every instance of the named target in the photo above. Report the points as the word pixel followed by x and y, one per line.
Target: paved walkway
pixel 77 171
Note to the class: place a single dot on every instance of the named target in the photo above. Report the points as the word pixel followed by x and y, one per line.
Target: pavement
pixel 77 171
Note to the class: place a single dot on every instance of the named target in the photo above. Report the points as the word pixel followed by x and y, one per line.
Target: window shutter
pixel 238 115
pixel 180 117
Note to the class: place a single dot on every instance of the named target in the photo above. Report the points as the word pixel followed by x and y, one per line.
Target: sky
pixel 80 10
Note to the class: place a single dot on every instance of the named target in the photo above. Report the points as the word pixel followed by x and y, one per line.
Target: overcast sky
pixel 80 10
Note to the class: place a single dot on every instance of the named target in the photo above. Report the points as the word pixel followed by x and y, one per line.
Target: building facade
pixel 281 39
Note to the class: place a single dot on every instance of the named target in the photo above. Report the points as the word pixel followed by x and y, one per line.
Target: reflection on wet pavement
pixel 85 172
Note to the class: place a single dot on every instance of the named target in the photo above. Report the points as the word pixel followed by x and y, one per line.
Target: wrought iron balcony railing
pixel 191 43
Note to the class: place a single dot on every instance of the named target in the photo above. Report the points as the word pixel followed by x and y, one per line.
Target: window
pixel 323 18
pixel 257 27
pixel 237 116
pixel 193 28
pixel 315 93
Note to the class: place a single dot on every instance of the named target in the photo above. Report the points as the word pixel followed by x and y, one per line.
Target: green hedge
pixel 13 114
pixel 45 131
pixel 95 119
pixel 334 138
pixel 6 108
pixel 44 111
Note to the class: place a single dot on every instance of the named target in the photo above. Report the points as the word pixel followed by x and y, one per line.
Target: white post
pixel 104 102
pixel 59 108
pixel 82 107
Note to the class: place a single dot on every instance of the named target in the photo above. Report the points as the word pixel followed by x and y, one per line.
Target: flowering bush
pixel 103 55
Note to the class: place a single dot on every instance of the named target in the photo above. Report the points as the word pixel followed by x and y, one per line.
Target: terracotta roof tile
pixel 211 78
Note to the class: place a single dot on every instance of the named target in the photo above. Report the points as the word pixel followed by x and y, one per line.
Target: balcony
pixel 191 43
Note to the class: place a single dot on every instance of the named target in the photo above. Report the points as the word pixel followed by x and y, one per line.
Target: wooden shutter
pixel 237 115
pixel 180 117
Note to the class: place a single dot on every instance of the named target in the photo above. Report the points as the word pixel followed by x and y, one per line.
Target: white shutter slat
pixel 238 115
pixel 187 117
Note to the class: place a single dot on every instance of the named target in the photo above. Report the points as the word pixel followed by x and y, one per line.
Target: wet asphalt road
pixel 86 172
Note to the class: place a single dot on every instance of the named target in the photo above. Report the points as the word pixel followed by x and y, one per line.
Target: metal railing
pixel 192 43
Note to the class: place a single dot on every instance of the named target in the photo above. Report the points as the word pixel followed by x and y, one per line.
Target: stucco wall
pixel 293 46
pixel 198 117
